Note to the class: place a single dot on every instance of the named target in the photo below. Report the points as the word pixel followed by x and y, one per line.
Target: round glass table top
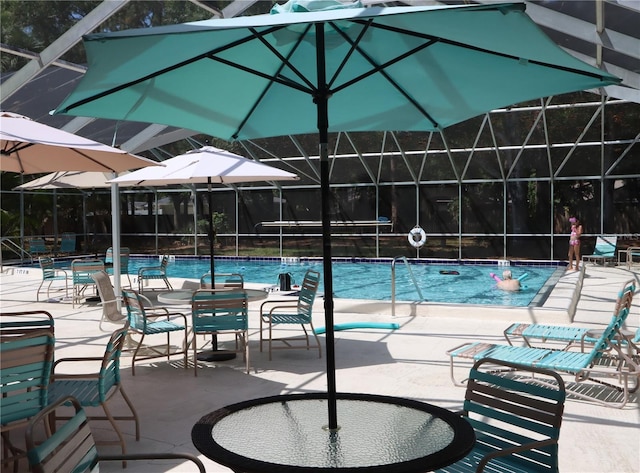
pixel 184 297
pixel 376 433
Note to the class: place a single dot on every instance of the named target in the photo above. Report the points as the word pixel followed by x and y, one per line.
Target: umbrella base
pixel 216 355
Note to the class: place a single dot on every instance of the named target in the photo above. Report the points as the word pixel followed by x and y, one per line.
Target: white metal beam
pixel 60 46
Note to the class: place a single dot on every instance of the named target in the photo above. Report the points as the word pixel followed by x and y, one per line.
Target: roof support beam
pixel 65 42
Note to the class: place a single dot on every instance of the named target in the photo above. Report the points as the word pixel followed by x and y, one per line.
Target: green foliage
pixel 34 25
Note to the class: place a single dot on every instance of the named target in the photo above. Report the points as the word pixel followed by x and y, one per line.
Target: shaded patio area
pixel 409 362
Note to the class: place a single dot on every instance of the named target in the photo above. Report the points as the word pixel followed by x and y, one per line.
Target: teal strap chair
pixel 144 322
pixel 97 389
pixel 68 243
pixel 220 312
pixel 124 262
pixel 604 251
pixel 50 274
pixel 71 448
pixel 568 334
pixel 37 247
pixel 150 273
pixel 26 357
pixel 516 414
pixel 279 312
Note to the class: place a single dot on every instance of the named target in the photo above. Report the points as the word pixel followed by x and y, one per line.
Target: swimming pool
pixel 354 279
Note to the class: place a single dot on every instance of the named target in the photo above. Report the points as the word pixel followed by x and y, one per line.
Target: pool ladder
pixel 393 282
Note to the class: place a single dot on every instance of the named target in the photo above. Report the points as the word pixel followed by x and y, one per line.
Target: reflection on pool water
pixel 352 279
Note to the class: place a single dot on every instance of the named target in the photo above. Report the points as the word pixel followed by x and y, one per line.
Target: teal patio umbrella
pixel 324 66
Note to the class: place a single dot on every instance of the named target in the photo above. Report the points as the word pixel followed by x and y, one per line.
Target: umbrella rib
pixel 277 77
pixel 381 68
pixel 482 50
pixel 16 147
pixel 354 46
pixel 280 79
pixel 179 65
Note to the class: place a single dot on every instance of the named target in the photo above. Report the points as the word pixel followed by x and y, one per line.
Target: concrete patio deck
pixel 409 362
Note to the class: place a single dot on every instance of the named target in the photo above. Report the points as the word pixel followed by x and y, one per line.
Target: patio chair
pixel 605 250
pixel 218 312
pixel 153 321
pixel 81 271
pixel 568 334
pixel 110 311
pixel 606 360
pixel 50 274
pixel 516 416
pixel 97 389
pixel 37 247
pixel 279 312
pixel 73 448
pixel 124 262
pixel 68 243
pixel 150 273
pixel 26 357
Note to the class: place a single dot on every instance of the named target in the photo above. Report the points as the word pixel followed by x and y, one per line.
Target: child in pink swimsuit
pixel 574 243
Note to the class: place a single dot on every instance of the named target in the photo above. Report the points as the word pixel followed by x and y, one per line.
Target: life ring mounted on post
pixel 417 237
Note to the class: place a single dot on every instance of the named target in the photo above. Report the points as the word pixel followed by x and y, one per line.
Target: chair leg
pixel 261 329
pixel 313 331
pixel 195 355
pixel 123 445
pixel 135 353
pixel 245 340
pixel 270 337
pixel 133 412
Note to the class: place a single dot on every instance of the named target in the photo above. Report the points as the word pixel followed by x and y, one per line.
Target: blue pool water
pixel 367 280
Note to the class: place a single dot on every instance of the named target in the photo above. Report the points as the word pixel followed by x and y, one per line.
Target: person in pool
pixel 508 283
pixel 574 243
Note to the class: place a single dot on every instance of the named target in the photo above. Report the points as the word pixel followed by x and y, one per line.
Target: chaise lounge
pixel 606 360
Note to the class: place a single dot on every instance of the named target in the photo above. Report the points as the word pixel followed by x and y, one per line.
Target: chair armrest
pixel 292 302
pixel 509 451
pixel 292 307
pixel 90 358
pixel 56 271
pixel 155 456
pixel 170 315
pixel 141 271
pixel 147 302
pixel 154 311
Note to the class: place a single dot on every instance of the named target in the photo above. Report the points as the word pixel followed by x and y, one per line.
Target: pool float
pixel 522 277
pixel 417 237
pixel 495 277
pixel 353 325
pixel 449 271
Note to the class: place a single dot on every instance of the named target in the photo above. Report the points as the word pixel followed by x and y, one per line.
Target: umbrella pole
pixel 322 100
pixel 211 235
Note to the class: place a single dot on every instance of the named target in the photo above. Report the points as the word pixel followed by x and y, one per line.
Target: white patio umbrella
pixel 30 147
pixel 208 165
pixel 70 180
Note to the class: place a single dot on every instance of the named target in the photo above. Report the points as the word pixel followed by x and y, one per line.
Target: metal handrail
pixel 13 247
pixel 393 282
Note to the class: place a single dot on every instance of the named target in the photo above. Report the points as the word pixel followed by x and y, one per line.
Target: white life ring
pixel 417 237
